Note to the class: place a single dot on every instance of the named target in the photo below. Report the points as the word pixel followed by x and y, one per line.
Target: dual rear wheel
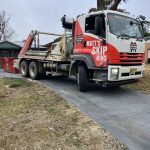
pixel 30 69
pixel 34 70
pixel 24 68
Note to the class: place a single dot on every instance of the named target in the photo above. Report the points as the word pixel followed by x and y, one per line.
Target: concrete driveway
pixel 123 112
pixel 9 75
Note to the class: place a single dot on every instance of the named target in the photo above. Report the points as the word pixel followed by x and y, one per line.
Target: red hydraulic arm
pixel 27 44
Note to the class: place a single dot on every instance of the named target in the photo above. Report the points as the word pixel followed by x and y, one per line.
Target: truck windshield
pixel 124 26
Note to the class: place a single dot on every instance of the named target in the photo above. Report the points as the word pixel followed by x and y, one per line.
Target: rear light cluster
pixel 134 58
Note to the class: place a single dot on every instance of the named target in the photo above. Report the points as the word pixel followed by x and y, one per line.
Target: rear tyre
pixel 24 68
pixel 34 70
pixel 82 79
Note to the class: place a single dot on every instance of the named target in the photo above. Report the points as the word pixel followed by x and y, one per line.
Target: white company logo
pixel 133 47
pixel 98 50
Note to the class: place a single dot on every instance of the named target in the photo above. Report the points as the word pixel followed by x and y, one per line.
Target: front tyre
pixel 82 79
pixel 34 70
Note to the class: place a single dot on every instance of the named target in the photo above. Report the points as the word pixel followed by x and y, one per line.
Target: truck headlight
pixel 114 73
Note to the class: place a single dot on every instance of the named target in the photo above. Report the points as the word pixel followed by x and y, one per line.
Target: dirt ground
pixel 144 84
pixel 34 118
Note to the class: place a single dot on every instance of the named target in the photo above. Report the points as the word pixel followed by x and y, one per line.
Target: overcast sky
pixel 45 15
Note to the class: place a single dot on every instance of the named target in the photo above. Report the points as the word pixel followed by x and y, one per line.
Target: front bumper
pixel 126 72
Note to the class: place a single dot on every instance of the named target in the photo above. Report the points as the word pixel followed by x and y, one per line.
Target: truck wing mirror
pixel 98 25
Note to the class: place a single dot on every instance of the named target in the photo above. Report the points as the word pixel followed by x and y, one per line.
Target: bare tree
pixel 109 4
pixel 6 32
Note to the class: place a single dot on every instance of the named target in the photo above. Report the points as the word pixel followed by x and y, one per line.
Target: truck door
pixel 95 37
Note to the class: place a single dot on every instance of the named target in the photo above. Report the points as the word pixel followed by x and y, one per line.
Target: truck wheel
pixel 34 70
pixel 82 79
pixel 24 68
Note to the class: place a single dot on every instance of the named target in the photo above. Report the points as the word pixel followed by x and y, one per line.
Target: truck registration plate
pixel 133 71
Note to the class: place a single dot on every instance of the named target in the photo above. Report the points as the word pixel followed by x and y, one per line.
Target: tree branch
pixel 5 31
pixel 115 5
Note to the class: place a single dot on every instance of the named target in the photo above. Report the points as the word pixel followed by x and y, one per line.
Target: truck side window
pixel 90 24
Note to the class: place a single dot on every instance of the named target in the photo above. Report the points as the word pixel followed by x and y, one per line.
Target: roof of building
pixel 9 45
pixel 14 45
pixel 55 41
pixel 19 43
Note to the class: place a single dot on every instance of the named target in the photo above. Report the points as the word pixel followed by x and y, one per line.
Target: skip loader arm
pixel 27 43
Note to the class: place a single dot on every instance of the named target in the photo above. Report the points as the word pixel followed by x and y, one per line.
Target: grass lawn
pixel 34 118
pixel 144 84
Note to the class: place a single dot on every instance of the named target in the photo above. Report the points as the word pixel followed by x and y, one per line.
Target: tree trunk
pixel 101 5
pixel 115 5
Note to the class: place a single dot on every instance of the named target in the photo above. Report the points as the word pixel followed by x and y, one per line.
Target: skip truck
pixel 106 47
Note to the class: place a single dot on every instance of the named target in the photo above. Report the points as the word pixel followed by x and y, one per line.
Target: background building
pixel 147 50
pixel 9 50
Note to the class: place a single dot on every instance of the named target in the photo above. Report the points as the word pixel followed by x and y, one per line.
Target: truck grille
pixel 136 58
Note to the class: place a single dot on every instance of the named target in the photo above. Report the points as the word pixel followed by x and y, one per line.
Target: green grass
pixel 33 117
pixel 73 119
pixel 75 139
pixel 12 102
pixel 143 85
pixel 13 83
pixel 54 111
